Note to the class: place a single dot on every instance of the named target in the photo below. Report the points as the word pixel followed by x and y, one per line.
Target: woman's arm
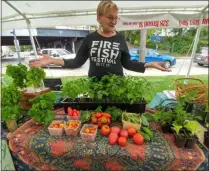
pixel 78 61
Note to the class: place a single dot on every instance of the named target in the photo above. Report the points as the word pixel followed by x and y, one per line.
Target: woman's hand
pixel 42 61
pixel 157 65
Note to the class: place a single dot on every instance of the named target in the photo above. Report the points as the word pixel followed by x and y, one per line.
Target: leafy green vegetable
pixel 144 120
pixel 18 73
pixel 35 76
pixel 10 95
pixel 115 113
pixel 85 116
pixel 13 112
pixel 42 107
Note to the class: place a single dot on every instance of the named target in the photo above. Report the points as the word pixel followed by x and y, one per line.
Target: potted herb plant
pixel 125 93
pixel 180 138
pixel 165 118
pixel 11 110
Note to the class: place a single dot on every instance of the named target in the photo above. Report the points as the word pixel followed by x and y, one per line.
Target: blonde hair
pixel 104 6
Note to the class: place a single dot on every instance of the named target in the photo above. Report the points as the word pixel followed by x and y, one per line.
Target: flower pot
pixel 12 125
pixel 206 139
pixel 165 128
pixel 191 141
pixel 91 104
pixel 180 141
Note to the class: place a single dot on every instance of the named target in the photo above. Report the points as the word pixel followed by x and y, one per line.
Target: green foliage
pixel 10 100
pixel 35 76
pixel 18 73
pixel 177 127
pixel 13 112
pixel 110 88
pixel 115 113
pixel 165 117
pixel 10 95
pixel 75 87
pixel 42 107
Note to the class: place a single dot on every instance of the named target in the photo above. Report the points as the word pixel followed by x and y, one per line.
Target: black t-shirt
pixel 107 55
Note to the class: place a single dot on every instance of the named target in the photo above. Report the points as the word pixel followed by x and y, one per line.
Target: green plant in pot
pixel 35 78
pixel 166 119
pixel 11 110
pixel 180 138
pixel 192 131
pixel 42 107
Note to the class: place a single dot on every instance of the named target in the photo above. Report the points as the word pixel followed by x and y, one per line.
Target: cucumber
pixel 146 136
pixel 147 131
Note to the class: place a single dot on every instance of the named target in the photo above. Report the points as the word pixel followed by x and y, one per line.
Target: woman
pixel 106 49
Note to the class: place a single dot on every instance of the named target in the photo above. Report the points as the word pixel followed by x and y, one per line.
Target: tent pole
pixel 195 43
pixel 31 38
pixel 28 25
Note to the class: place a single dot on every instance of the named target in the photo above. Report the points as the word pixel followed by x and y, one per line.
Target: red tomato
pixel 112 139
pixel 122 141
pixel 124 133
pixel 131 131
pixel 70 111
pixel 107 115
pixel 138 139
pixel 105 130
pixel 98 115
pixel 115 129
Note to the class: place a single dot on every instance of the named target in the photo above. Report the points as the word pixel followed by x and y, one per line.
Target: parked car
pixel 54 53
pixel 152 55
pixel 202 58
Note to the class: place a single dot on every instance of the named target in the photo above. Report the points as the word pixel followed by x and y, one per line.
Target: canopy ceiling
pixel 44 14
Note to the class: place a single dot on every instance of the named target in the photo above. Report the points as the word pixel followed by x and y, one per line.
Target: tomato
pixel 115 129
pixel 122 141
pixel 107 115
pixel 124 133
pixel 112 139
pixel 105 130
pixel 108 121
pixel 94 120
pixel 98 115
pixel 93 115
pixel 104 120
pixel 138 139
pixel 131 131
pixel 70 111
pixel 87 130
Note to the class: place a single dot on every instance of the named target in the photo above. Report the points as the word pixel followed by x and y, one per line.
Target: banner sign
pixel 168 20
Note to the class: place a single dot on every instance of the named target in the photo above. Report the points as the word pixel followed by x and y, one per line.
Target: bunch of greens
pixel 35 77
pixel 75 87
pixel 10 103
pixel 42 107
pixel 18 73
pixel 115 113
pixel 85 115
pixel 111 88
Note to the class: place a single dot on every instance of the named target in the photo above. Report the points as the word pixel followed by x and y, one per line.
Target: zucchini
pixel 147 131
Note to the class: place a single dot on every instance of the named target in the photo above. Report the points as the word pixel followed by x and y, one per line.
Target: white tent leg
pixel 31 38
pixel 195 46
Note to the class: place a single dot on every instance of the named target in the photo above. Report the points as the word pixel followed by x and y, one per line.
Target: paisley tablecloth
pixel 32 144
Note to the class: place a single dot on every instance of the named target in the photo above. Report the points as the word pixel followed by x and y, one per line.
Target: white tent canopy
pixel 76 13
pixel 133 14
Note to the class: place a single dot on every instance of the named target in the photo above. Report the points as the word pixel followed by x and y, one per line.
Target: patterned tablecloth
pixel 33 145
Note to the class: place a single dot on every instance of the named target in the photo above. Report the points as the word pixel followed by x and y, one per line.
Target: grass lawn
pixel 159 83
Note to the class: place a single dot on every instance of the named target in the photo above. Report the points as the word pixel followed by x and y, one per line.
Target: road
pixel 180 68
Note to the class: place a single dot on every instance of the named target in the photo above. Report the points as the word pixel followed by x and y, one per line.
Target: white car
pixel 54 53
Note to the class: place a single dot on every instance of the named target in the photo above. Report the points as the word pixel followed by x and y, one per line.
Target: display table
pixel 32 144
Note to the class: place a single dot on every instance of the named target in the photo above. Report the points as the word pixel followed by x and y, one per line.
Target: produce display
pixel 57 125
pixel 72 127
pixel 73 114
